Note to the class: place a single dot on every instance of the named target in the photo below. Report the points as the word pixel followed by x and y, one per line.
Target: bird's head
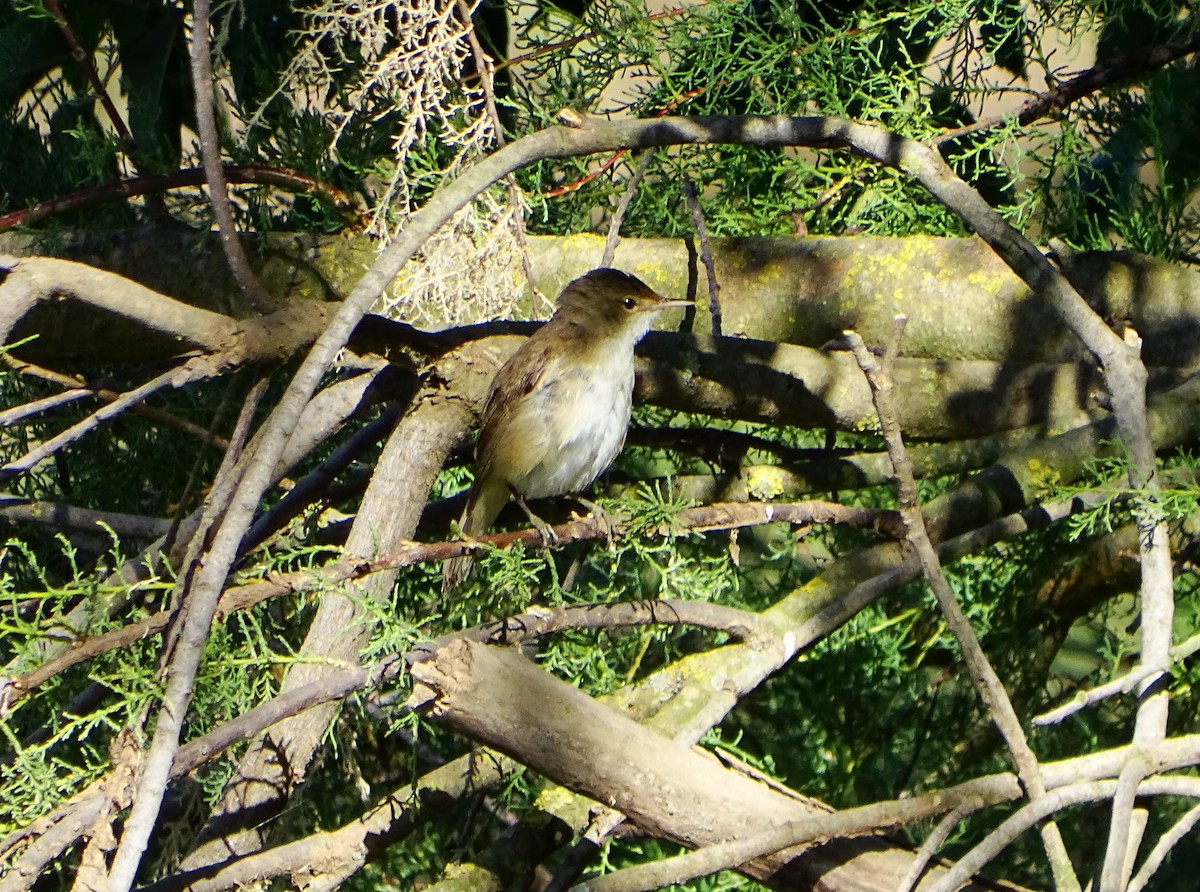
pixel 611 303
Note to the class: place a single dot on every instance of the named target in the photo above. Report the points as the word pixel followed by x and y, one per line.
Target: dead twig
pixel 214 172
pixel 706 255
pixel 991 689
pixel 614 226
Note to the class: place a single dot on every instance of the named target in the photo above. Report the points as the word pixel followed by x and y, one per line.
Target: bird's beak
pixel 668 304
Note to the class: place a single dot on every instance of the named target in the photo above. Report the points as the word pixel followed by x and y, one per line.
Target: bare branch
pixel 1056 800
pixel 194 369
pixel 147 184
pixel 86 65
pixel 78 389
pixel 1122 685
pixel 62 516
pixel 1099 76
pixel 706 256
pixel 564 734
pixel 30 281
pixel 614 226
pixel 179 660
pixel 740 624
pixel 990 688
pixel 214 173
pixel 1162 848
pixel 934 841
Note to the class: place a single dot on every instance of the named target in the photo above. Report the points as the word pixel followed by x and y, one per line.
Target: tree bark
pixel 961 300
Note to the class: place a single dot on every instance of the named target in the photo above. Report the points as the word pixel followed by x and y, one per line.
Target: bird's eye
pixel 630 303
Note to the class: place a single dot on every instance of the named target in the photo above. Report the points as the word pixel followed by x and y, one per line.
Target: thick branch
pixel 671 791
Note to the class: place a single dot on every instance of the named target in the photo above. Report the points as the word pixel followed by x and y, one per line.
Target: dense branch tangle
pixel 433 423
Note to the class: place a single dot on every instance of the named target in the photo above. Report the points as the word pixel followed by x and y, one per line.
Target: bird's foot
pixel 549 537
pixel 602 519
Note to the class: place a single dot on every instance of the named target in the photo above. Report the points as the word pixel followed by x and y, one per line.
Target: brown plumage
pixel 557 411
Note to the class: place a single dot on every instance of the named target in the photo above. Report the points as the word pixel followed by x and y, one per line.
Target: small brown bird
pixel 557 411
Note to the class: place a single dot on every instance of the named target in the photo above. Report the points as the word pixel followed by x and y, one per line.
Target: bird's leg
pixel 549 537
pixel 601 516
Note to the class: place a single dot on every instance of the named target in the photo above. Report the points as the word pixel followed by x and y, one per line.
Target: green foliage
pixel 862 715
pixel 914 67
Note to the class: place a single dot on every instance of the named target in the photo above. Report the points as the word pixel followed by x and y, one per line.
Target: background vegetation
pixel 338 118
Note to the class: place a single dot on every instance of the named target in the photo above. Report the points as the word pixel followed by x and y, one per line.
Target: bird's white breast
pixel 578 424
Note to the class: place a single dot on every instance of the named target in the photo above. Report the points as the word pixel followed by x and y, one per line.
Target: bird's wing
pixel 517 378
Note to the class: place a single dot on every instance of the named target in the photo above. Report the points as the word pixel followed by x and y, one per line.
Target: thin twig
pixel 153 202
pixel 47 403
pixel 1028 816
pixel 991 689
pixel 307 488
pixel 210 152
pixel 933 842
pixel 614 226
pixel 172 378
pixel 148 184
pixel 1162 848
pixel 485 68
pixel 1096 78
pixel 1122 685
pixel 80 389
pixel 485 65
pixel 742 625
pixel 180 658
pixel 706 255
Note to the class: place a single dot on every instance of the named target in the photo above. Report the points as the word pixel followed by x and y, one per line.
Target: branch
pixel 706 255
pixel 80 55
pixel 876 143
pixel 1122 685
pixel 614 226
pixel 179 661
pixel 1099 76
pixel 739 852
pixel 1162 848
pixel 192 370
pixel 539 622
pixel 147 184
pixel 564 734
pixel 210 151
pixel 987 682
pixel 934 842
pixel 1056 800
pixel 30 281
pixel 62 516
pixel 78 389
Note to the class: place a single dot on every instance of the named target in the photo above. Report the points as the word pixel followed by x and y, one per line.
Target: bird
pixel 557 412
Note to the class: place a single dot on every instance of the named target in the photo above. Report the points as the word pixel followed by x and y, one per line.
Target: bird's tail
pixel 455 572
pixel 483 504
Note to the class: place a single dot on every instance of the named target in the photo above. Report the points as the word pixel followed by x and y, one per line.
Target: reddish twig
pixel 587 35
pixel 280 177
pixel 619 154
pixel 707 518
